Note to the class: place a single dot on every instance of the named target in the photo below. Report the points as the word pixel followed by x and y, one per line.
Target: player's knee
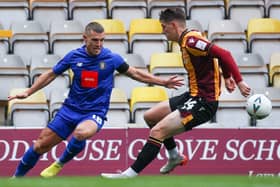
pixel 149 119
pixel 41 148
pixel 81 134
pixel 157 132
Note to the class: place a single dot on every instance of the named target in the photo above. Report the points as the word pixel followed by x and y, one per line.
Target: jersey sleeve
pixel 227 63
pixel 62 65
pixel 196 44
pixel 120 65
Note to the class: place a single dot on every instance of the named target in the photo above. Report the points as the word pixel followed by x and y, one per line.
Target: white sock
pixel 130 172
pixel 173 153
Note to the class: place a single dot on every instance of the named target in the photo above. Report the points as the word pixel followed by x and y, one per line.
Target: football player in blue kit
pixel 84 110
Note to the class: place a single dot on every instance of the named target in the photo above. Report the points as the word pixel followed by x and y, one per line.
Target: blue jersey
pixel 92 81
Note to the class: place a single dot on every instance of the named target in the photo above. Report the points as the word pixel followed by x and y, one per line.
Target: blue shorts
pixel 66 120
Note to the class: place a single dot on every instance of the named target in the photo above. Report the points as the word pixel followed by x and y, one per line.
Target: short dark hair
pixel 94 26
pixel 170 14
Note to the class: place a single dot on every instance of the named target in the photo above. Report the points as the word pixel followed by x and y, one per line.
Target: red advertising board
pixel 210 151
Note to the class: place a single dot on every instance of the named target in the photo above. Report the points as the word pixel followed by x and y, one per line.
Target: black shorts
pixel 194 110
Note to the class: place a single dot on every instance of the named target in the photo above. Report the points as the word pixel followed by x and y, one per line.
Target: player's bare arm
pixel 140 75
pixel 42 81
pixel 245 90
pixel 230 84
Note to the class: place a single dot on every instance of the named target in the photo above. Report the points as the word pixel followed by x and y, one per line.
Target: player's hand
pixel 244 88
pixel 22 95
pixel 230 84
pixel 174 82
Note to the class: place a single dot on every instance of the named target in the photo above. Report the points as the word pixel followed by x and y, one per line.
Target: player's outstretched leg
pixel 51 171
pixel 146 156
pixel 180 159
pixel 74 147
pixel 129 173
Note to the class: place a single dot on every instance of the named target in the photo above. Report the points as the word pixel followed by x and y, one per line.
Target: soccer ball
pixel 258 106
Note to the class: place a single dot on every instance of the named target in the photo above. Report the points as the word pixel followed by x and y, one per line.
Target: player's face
pixel 168 28
pixel 94 42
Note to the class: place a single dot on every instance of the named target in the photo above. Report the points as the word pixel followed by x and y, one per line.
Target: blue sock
pixel 27 162
pixel 73 148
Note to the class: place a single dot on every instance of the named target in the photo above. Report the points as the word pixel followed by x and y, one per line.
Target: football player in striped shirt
pixel 202 61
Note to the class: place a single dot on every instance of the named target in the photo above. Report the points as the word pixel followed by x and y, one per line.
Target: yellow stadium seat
pixel 116 37
pixel 263 26
pixel 30 112
pixel 264 37
pixel 146 38
pixel 143 98
pixel 168 64
pixel 274 70
pixel 144 26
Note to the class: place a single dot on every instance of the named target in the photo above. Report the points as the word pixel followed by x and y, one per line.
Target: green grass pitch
pixel 145 181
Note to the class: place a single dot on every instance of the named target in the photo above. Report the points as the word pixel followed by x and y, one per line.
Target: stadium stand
pixel 272 121
pixel 226 23
pixel 274 70
pixel 194 25
pixel 126 83
pixel 11 11
pixel 85 11
pixel 142 100
pixel 28 39
pixel 206 10
pixel 42 63
pixel 232 106
pixel 263 37
pixel 127 10
pixel 229 35
pixel 116 38
pixel 46 11
pixel 146 38
pixel 155 6
pixel 166 65
pixel 253 70
pixel 65 36
pixel 4 40
pixel 119 112
pixel 57 96
pixel 35 107
pixel 272 9
pixel 244 10
pixel 13 74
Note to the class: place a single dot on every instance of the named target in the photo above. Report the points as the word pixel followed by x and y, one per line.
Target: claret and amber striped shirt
pixel 202 60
